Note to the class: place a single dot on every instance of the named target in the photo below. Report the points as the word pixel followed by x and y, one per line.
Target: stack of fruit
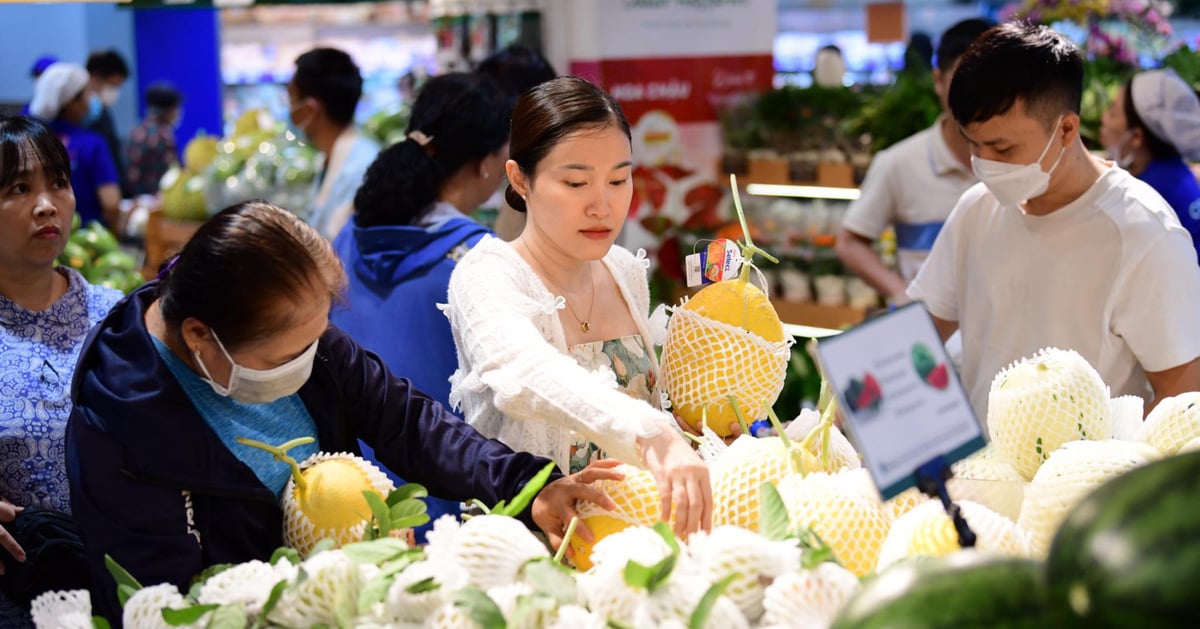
pixel 259 160
pixel 95 253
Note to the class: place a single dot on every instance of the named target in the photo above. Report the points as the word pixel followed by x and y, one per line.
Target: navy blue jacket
pixel 153 486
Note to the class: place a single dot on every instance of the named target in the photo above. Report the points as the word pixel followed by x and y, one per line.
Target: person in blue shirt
pixel 411 226
pixel 323 95
pixel 45 314
pixel 60 97
pixel 1149 129
pixel 234 341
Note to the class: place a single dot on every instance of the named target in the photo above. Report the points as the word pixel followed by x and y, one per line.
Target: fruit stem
pixel 279 453
pixel 566 540
pixel 778 426
pixel 737 412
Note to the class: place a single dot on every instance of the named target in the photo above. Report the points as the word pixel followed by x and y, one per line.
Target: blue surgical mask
pixel 95 109
pixel 298 128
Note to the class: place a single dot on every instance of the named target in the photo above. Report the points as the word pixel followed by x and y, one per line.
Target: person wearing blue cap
pixel 39 66
pixel 1150 128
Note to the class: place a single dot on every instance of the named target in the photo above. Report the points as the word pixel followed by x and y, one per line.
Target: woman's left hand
pixel 555 504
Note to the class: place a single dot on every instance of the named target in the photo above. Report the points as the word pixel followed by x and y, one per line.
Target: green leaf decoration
pixel 283 552
pixel 375 551
pixel 480 608
pixel 699 617
pixel 228 617
pixel 407 491
pixel 187 615
pixel 402 561
pixel 816 550
pixel 374 591
pixel 616 624
pixel 272 601
pixel 551 578
pixel 204 576
pixel 126 584
pixel 773 520
pixel 527 494
pixel 653 577
pixel 99 622
pixel 408 514
pixel 382 523
pixel 533 610
pixel 423 586
pixel 322 546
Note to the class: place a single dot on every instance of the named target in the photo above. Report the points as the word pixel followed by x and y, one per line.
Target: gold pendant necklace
pixel 584 324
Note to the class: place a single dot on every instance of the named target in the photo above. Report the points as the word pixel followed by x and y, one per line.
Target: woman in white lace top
pixel 555 354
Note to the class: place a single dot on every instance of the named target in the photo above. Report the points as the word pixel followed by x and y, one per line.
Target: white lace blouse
pixel 515 380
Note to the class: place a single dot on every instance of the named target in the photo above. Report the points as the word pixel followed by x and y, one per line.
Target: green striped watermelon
pixel 1129 554
pixel 966 589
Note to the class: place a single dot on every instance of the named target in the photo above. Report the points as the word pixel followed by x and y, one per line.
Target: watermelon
pixel 1128 555
pixel 966 589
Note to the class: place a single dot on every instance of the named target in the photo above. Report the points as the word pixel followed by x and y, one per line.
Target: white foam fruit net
pixel 636 496
pixel 926 530
pixel 843 510
pixel 1174 422
pixel 1072 472
pixel 71 609
pixel 1041 402
pixel 706 361
pixel 738 476
pixel 300 533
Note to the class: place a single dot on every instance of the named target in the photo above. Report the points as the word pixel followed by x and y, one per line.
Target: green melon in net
pixel 1044 401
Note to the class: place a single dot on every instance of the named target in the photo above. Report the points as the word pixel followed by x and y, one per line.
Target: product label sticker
pixel 901 400
pixel 720 260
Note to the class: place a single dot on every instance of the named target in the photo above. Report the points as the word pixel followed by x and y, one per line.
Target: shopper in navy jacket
pixel 222 348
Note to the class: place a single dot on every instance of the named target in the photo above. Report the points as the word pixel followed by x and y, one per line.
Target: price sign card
pixel 901 400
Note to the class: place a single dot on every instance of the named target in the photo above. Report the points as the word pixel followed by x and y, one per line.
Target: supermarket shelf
pixel 808 331
pixel 814 315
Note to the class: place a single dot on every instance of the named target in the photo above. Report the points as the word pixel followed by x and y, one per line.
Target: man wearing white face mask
pixel 1056 247
pixel 107 72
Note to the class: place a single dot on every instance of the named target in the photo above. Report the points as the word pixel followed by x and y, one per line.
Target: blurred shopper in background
pixel 61 97
pixel 107 72
pixel 323 95
pixel 1150 128
pixel 151 150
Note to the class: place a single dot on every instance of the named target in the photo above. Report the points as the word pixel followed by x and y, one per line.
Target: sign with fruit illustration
pixel 902 403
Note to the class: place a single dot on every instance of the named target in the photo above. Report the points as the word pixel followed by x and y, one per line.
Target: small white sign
pixel 901 400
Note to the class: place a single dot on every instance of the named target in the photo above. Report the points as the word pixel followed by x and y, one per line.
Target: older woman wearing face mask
pixel 60 97
pixel 1151 126
pixel 235 341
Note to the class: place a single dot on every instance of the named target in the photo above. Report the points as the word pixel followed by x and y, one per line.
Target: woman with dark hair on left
pixel 45 313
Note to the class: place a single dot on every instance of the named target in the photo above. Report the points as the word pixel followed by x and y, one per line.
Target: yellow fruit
pixel 252 121
pixel 926 531
pixel 199 153
pixel 844 511
pixel 738 476
pixel 331 503
pixel 905 502
pixel 638 504
pixel 727 340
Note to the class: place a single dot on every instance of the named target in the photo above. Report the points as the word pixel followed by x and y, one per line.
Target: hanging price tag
pixel 901 400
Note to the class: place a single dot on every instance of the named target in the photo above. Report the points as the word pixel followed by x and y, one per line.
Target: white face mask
pixel 258 386
pixel 1114 152
pixel 1013 184
pixel 109 95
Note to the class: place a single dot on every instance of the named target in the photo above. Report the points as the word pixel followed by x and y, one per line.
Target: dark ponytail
pixel 547 114
pixel 457 121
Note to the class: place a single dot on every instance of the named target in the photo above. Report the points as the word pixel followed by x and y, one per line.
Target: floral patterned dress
pixel 630 361
pixel 37 360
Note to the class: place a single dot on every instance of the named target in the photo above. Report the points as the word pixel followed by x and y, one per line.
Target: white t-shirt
pixel 1112 275
pixel 912 186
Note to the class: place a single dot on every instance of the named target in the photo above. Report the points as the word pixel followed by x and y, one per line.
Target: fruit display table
pixel 164 238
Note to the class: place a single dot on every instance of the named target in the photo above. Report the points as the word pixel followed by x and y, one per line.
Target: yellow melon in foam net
pixel 740 472
pixel 1044 401
pixel 727 340
pixel 1173 422
pixel 638 504
pixel 331 503
pixel 926 531
pixel 1071 473
pixel 843 509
